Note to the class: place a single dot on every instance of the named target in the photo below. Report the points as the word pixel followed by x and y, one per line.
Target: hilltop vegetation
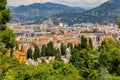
pixel 12 70
pixel 38 12
pixel 108 12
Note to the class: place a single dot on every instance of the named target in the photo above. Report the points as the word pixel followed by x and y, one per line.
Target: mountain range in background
pixel 11 7
pixel 107 12
pixel 37 12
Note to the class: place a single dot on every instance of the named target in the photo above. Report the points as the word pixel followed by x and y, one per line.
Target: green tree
pixel 85 60
pixel 83 42
pixel 63 49
pixel 7 38
pixel 7 66
pixel 90 43
pixel 57 55
pixel 118 22
pixel 36 52
pixel 110 56
pixel 65 71
pixel 29 53
pixel 11 51
pixel 43 50
pixel 78 47
pixel 70 45
pixel 50 50
pixel 74 59
pixel 21 48
pixel 3 3
pixel 17 47
pixel 4 14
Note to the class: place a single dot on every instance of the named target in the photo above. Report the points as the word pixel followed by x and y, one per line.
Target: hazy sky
pixel 75 3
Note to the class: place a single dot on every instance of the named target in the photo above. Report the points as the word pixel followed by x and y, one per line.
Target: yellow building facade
pixel 20 56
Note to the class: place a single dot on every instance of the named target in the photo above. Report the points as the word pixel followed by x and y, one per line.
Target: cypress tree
pixel 11 51
pixel 29 53
pixel 43 51
pixel 17 48
pixel 90 43
pixel 50 50
pixel 83 42
pixel 36 52
pixel 78 47
pixel 21 48
pixel 57 55
pixel 70 45
pixel 63 49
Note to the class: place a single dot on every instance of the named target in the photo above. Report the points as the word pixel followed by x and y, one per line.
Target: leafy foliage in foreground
pixel 7 37
pixel 85 64
pixel 102 64
pixel 12 70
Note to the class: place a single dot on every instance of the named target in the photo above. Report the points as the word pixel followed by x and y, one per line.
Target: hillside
pixel 38 12
pixel 108 12
pixel 11 7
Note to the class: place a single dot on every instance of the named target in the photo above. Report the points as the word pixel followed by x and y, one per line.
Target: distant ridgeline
pixel 108 12
pixel 36 13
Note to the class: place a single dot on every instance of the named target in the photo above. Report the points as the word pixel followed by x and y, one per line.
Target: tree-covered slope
pixel 105 13
pixel 39 11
